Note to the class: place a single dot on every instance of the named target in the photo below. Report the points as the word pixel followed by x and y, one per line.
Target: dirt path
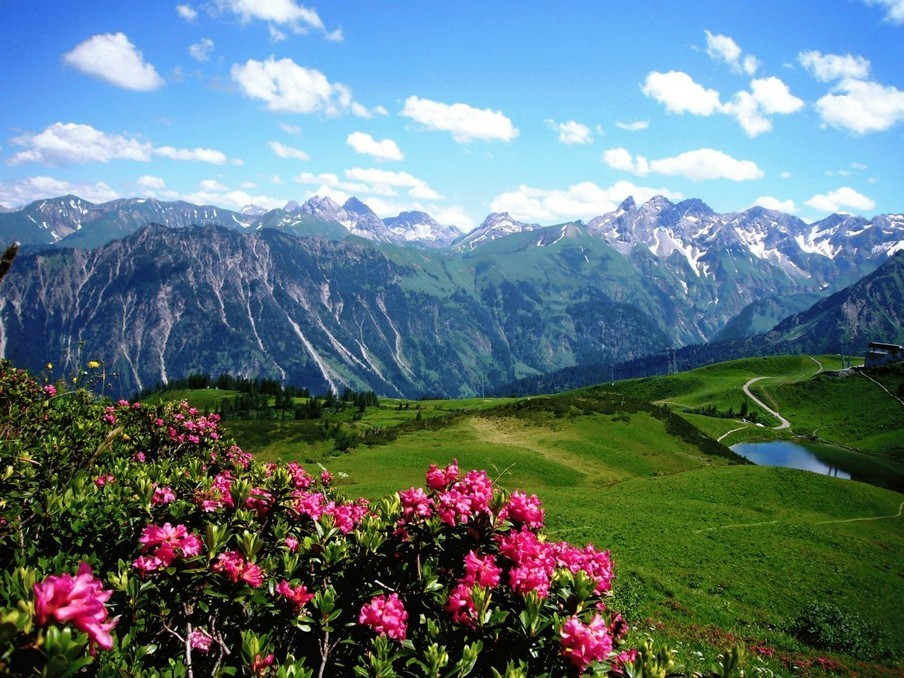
pixel 822 522
pixel 725 435
pixel 882 386
pixel 783 423
pixel 818 363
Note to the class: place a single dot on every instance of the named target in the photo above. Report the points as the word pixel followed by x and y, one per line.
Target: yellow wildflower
pixel 93 364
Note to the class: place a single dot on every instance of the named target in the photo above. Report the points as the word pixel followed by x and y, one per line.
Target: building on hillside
pixel 879 354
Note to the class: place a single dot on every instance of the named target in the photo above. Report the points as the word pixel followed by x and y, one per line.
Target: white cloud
pixel 829 67
pixel 678 92
pixel 384 182
pixel 894 9
pixel 771 203
pixel 112 58
pixel 785 175
pixel 200 51
pixel 621 159
pixel 768 96
pixel 150 182
pixel 854 103
pixel 287 87
pixel 290 129
pixel 363 143
pixel 707 163
pixel 861 106
pixel 36 188
pixel 584 200
pixel 464 122
pixel 209 155
pixel 297 18
pixel 212 185
pixel 71 143
pixel 725 49
pixel 700 165
pixel 284 151
pixel 186 12
pixel 839 199
pixel 571 132
pixel 634 126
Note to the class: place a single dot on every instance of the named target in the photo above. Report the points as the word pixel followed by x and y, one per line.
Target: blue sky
pixel 550 111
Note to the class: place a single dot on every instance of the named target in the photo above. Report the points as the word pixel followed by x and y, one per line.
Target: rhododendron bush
pixel 136 539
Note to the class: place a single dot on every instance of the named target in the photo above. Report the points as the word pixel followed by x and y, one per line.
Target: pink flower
pixel 163 495
pixel 166 544
pixel 200 641
pixel 100 481
pixel 523 510
pixel 297 595
pixel 291 543
pixel 461 606
pixel 482 571
pixel 386 616
pixel 415 504
pixel 260 664
pixel 236 568
pixel 326 478
pixel 583 644
pixel 79 600
pixel 139 457
pixel 440 480
pixel 50 390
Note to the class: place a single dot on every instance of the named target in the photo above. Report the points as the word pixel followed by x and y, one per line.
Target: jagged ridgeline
pixel 329 297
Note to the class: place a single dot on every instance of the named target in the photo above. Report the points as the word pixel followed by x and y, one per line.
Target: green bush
pixel 826 626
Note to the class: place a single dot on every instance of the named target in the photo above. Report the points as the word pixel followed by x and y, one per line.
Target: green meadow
pixel 709 550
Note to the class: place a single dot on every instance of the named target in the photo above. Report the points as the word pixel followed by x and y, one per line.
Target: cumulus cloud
pixel 289 129
pixel 634 126
pixel 368 182
pixel 284 151
pixel 840 199
pixel 287 87
pixel 571 132
pixel 771 203
pixel 186 12
pixel 861 106
pixel 767 97
pixel 150 182
pixel 679 93
pixel 384 182
pixel 75 144
pixel 113 59
pixel 584 200
pixel 363 143
pixel 285 13
pixel 753 109
pixel 855 103
pixel 200 51
pixel 464 122
pixel 36 188
pixel 699 165
pixel 894 10
pixel 725 49
pixel 209 155
pixel 830 67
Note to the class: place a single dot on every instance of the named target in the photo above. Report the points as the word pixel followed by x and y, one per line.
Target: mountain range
pixel 328 296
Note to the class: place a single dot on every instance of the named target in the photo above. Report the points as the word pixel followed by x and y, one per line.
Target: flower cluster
pixel 79 600
pixel 297 595
pixel 386 615
pixel 237 569
pixel 164 545
pixel 583 643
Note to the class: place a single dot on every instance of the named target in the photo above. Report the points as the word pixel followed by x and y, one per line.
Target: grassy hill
pixel 706 547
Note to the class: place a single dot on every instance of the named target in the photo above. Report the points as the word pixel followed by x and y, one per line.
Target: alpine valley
pixel 328 296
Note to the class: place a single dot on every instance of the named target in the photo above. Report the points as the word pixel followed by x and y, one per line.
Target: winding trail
pixel 821 522
pixel 882 386
pixel 783 423
pixel 725 435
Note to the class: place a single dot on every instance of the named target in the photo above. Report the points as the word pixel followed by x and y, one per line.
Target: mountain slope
pixel 163 303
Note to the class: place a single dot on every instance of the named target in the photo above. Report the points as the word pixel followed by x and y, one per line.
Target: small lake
pixel 827 460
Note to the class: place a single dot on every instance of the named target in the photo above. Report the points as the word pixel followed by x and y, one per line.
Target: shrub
pixel 136 540
pixel 826 626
